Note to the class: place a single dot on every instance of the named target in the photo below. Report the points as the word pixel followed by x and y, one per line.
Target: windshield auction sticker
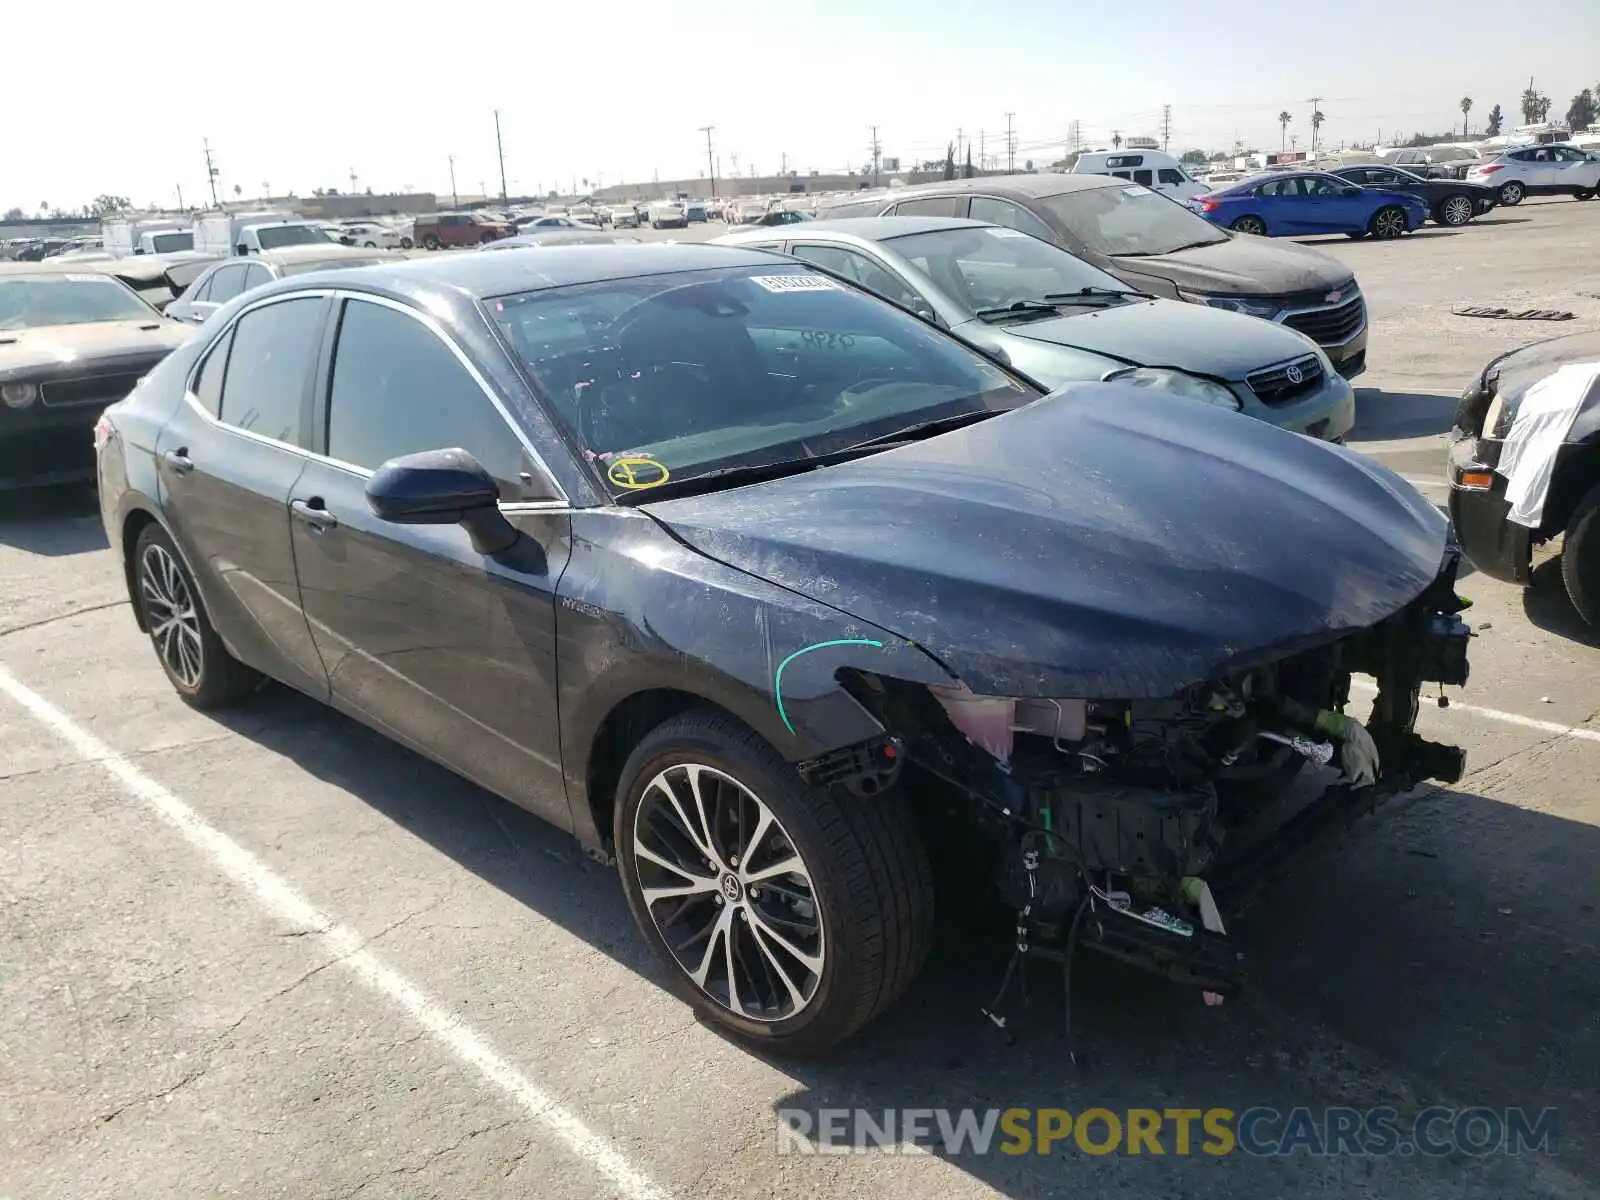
pixel 636 473
pixel 795 283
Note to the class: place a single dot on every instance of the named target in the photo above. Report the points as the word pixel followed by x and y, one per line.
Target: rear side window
pixel 932 206
pixel 200 290
pixel 269 366
pixel 208 382
pixel 1143 177
pixel 227 283
pixel 398 389
pixel 256 276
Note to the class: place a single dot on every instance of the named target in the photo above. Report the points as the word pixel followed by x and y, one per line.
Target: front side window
pixel 226 283
pixel 1013 216
pixel 991 269
pixel 680 375
pixel 398 389
pixel 1132 221
pixel 1169 176
pixel 854 265
pixel 38 301
pixel 269 366
pixel 256 276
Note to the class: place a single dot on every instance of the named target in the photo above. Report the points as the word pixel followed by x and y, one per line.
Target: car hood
pixel 1244 266
pixel 1170 333
pixel 57 348
pixel 1521 369
pixel 1104 542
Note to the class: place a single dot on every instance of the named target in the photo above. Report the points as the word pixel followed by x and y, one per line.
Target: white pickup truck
pixel 253 232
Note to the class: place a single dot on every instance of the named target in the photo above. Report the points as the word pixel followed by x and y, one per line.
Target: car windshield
pixel 166 243
pixel 272 237
pixel 1130 220
pixel 35 302
pixel 680 375
pixel 992 267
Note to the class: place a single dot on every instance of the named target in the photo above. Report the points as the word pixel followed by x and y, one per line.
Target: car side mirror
pixel 1350 191
pixel 442 487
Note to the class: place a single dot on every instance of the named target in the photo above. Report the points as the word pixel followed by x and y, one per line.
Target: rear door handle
pixel 313 514
pixel 179 461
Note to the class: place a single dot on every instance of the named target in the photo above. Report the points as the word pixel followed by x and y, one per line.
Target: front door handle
pixel 179 460
pixel 313 514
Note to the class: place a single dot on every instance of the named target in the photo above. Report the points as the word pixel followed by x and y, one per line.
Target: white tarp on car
pixel 1543 418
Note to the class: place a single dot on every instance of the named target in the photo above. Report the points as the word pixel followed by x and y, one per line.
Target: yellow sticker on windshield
pixel 634 473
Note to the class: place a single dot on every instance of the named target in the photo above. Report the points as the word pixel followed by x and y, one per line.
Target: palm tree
pixel 1283 127
pixel 1466 107
pixel 1116 141
pixel 1316 124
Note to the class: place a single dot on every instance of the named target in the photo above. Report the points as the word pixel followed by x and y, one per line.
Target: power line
pixel 500 149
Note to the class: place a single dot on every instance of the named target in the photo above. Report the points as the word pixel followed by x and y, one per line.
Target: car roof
pixel 1027 187
pixel 473 275
pixel 871 229
pixel 287 256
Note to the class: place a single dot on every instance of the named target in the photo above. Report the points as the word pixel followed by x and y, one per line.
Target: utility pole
pixel 455 200
pixel 958 147
pixel 1011 146
pixel 1166 125
pixel 875 153
pixel 1314 101
pixel 180 198
pixel 783 163
pixel 500 149
pixel 711 161
pixel 211 174
pixel 983 151
pixel 352 181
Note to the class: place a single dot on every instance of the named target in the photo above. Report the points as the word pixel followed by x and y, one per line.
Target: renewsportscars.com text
pixel 1258 1132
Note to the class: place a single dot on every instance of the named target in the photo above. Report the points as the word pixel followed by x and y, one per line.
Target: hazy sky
pixel 103 98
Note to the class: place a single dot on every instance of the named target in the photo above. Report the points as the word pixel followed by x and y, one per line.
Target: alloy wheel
pixel 171 615
pixel 1457 210
pixel 1390 223
pixel 728 892
pixel 1511 193
pixel 1250 225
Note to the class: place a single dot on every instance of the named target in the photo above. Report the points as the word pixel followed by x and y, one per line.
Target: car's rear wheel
pixel 196 662
pixel 1583 194
pixel 787 915
pixel 406 243
pixel 1454 210
pixel 1388 222
pixel 1580 557
pixel 1248 224
pixel 431 242
pixel 370 245
pixel 1512 192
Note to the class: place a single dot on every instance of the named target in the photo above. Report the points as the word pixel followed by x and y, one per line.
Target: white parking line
pixel 280 899
pixel 1507 718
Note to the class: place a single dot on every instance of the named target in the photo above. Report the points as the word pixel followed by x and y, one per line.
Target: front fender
pixel 637 611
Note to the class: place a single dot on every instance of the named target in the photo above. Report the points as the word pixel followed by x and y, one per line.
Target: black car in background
pixel 1450 201
pixel 71 342
pixel 1155 245
pixel 702 555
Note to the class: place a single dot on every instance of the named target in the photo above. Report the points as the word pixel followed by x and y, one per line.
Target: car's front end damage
pixel 1146 628
pixel 1114 823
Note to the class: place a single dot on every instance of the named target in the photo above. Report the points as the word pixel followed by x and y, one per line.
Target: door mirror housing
pixel 1350 191
pixel 442 487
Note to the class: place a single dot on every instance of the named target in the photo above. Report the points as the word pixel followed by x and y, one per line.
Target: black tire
pixel 370 245
pixel 1388 222
pixel 219 679
pixel 866 863
pixel 1580 558
pixel 1455 210
pixel 1249 224
pixel 406 243
pixel 431 242
pixel 1512 193
pixel 1583 194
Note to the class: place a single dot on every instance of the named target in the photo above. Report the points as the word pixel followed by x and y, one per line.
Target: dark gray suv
pixel 1156 246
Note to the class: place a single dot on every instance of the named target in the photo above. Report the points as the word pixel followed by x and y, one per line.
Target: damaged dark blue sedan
pixel 779 597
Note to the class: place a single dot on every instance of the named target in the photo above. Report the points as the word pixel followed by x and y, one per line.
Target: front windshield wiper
pixel 1171 249
pixel 736 476
pixel 1020 310
pixel 1095 293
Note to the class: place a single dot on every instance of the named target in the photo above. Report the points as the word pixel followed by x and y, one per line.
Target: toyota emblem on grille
pixel 1293 373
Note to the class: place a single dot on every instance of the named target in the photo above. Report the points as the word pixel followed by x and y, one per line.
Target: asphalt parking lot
pixel 268 953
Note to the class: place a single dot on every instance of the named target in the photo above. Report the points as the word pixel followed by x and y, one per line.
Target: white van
pixel 1153 168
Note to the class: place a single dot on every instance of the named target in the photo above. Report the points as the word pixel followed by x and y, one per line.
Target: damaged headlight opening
pixel 1179 383
pixel 19 395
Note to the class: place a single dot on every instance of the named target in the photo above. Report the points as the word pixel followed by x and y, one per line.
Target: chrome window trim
pixel 432 325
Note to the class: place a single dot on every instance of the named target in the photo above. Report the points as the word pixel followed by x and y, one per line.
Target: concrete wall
pixel 762 185
pixel 339 208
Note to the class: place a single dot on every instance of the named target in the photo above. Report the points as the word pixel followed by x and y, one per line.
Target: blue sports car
pixel 1300 203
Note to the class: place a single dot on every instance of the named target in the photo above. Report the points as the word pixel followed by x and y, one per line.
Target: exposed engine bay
pixel 1108 823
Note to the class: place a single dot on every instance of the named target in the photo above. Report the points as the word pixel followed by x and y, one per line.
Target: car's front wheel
pixel 1580 557
pixel 1583 194
pixel 430 242
pixel 1387 222
pixel 196 662
pixel 1455 210
pixel 1248 224
pixel 787 915
pixel 1512 192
